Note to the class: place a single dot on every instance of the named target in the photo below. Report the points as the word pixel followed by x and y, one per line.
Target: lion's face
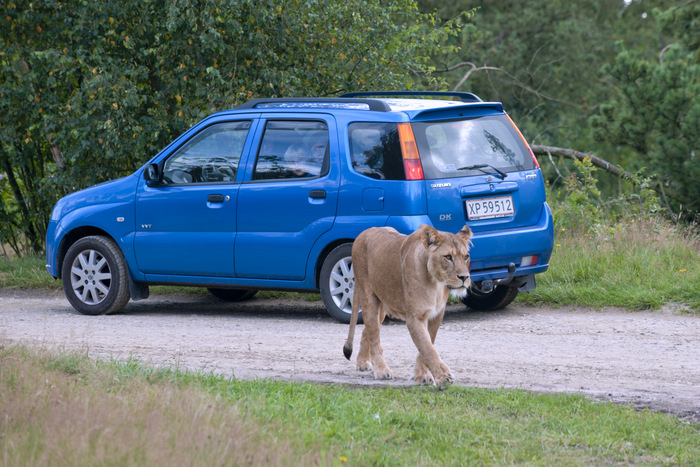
pixel 448 259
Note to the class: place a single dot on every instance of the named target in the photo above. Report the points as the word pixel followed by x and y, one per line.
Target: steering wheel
pixel 218 169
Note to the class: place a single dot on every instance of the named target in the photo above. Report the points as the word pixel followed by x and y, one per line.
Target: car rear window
pixel 446 147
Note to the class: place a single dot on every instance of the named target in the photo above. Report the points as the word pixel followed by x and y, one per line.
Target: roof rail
pixel 463 96
pixel 373 104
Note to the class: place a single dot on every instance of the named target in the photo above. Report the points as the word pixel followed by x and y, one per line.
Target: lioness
pixel 408 277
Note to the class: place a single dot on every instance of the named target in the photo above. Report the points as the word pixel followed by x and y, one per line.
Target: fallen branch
pixel 573 154
pixel 605 165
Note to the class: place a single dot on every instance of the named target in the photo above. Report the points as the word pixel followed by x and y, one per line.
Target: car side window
pixel 375 150
pixel 211 156
pixel 292 150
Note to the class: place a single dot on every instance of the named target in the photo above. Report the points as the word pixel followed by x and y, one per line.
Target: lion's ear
pixel 431 237
pixel 465 234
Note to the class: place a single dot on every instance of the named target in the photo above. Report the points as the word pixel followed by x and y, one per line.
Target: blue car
pixel 271 195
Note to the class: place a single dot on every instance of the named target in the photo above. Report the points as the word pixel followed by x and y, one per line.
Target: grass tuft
pixel 68 410
pixel 26 272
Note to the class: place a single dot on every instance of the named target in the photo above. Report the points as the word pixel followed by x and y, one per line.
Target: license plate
pixel 489 208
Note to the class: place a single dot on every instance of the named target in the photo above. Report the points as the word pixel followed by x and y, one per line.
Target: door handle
pixel 215 198
pixel 317 194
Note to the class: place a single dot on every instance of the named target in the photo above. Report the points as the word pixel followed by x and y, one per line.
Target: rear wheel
pixel 233 295
pixel 498 298
pixel 337 283
pixel 95 276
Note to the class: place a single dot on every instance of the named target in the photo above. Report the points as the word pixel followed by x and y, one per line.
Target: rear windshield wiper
pixel 483 166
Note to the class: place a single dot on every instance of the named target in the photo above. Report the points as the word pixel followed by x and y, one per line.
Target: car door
pixel 289 198
pixel 186 223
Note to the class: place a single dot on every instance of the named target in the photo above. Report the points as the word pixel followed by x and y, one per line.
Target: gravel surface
pixel 647 359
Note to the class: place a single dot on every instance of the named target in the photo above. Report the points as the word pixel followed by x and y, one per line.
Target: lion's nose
pixel 464 278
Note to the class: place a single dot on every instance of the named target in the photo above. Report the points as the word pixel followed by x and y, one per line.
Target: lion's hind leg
pixel 364 360
pixel 370 357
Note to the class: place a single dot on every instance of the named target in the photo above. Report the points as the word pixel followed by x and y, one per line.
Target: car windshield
pixel 455 148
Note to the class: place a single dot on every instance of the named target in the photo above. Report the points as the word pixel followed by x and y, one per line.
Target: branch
pixel 460 65
pixel 473 69
pixel 573 154
pixel 605 165
pixel 513 79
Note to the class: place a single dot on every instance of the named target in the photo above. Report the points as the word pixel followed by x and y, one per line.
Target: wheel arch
pixel 324 254
pixel 70 238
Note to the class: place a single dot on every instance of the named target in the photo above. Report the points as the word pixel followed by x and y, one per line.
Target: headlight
pixel 56 213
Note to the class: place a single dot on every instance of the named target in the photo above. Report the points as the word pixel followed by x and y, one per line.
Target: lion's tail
pixel 347 348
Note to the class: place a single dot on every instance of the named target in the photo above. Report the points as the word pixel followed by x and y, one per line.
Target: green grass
pixel 637 266
pixel 26 273
pixel 75 411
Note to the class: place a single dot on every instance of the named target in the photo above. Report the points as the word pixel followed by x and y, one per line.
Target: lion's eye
pixel 448 257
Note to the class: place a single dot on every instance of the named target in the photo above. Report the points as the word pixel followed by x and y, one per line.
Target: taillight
pixel 409 152
pixel 537 164
pixel 529 261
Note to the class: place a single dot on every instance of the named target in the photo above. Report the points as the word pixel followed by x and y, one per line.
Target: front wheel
pixel 95 276
pixel 498 298
pixel 337 283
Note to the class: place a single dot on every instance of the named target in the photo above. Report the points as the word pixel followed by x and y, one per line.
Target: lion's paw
pixel 384 373
pixel 445 381
pixel 364 366
pixel 425 380
pixel 423 377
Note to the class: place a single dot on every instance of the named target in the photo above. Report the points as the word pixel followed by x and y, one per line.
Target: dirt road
pixel 649 359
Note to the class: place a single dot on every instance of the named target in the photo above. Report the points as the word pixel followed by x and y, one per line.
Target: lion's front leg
pixel 429 366
pixel 421 373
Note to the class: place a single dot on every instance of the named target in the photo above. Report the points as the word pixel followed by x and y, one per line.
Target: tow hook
pixel 487 285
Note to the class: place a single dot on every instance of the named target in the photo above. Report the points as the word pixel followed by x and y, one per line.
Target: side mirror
pixel 151 174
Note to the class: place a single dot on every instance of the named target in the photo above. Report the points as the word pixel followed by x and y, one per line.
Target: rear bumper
pixel 493 251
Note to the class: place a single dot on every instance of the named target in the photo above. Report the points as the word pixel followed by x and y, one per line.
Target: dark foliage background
pixel 90 90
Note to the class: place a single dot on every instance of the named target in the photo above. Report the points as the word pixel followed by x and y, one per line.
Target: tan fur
pixel 408 277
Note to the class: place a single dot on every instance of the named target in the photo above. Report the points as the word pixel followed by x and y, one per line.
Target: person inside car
pixel 301 162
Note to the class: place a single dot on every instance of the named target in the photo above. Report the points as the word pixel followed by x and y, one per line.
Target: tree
pixel 91 90
pixel 542 58
pixel 556 67
pixel 656 112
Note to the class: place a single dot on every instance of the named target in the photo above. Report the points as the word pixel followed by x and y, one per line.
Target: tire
pixel 95 278
pixel 337 281
pixel 233 295
pixel 498 298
